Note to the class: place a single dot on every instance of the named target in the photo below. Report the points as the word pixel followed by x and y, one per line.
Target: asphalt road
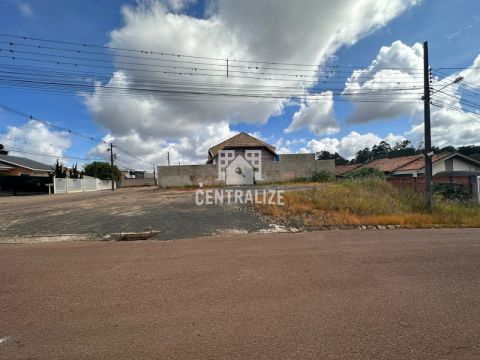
pixel 400 294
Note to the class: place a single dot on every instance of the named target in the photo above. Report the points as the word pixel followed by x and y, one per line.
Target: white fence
pixel 66 185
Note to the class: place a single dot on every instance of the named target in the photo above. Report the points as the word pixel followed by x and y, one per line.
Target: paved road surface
pixel 400 294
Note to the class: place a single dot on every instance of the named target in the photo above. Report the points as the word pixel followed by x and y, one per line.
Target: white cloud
pixel 392 92
pixel 259 30
pixel 449 126
pixel 35 137
pixel 25 9
pixel 317 115
pixel 349 144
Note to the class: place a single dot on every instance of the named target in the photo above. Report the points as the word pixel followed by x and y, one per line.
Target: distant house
pixel 242 144
pixel 243 160
pixel 413 166
pixel 18 166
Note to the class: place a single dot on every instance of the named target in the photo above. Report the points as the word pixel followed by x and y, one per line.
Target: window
pixel 222 162
pixel 222 154
pixel 257 154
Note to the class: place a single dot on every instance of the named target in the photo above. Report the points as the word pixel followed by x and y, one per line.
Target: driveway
pixel 400 294
pixel 174 214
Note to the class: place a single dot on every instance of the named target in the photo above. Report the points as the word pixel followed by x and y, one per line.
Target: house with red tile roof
pixel 414 165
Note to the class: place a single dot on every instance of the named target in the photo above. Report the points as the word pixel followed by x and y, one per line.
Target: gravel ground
pixel 170 214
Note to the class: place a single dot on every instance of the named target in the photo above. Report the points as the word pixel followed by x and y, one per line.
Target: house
pixel 414 165
pixel 243 160
pixel 242 144
pixel 18 166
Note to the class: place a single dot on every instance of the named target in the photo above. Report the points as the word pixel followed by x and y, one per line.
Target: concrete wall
pixel 137 182
pixel 187 175
pixel 289 167
pixel 294 166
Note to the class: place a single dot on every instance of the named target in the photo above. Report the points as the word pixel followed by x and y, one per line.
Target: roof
pixel 420 163
pixel 240 140
pixel 343 169
pixel 5 167
pixel 403 163
pixel 391 165
pixel 25 163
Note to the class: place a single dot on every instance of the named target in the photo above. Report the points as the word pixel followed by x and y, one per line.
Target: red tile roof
pixel 343 169
pixel 420 162
pixel 390 165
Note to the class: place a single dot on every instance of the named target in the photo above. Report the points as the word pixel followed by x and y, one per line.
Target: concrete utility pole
pixel 168 158
pixel 112 173
pixel 154 177
pixel 428 136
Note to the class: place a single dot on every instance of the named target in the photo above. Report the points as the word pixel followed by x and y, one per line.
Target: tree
pixel 60 171
pixel 470 150
pixel 2 150
pixel 102 170
pixel 381 151
pixel 74 173
pixel 363 156
pixel 402 148
pixel 325 155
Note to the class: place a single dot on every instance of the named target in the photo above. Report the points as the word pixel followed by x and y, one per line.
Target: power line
pixel 177 55
pixel 22 151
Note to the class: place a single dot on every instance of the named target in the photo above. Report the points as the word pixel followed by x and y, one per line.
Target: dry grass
pixel 370 202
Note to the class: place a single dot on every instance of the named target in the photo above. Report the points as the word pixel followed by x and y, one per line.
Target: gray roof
pixel 23 162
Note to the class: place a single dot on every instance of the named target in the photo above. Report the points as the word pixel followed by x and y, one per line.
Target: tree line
pixel 97 169
pixel 384 150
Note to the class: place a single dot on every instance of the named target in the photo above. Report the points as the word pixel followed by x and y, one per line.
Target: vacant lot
pixel 404 294
pixel 370 202
pixel 93 215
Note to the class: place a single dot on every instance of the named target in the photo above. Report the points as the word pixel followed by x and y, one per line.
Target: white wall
pixel 460 165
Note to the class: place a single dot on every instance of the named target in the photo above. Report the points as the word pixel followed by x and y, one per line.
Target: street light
pixel 428 136
pixel 456 81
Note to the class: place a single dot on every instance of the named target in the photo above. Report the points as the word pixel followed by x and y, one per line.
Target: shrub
pixel 321 176
pixel 449 191
pixel 365 173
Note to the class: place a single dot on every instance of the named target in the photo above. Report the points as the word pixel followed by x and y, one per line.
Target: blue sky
pixel 451 28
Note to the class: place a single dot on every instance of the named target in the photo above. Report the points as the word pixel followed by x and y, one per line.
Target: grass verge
pixel 369 202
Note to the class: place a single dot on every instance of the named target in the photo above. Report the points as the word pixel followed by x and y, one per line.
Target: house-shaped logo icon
pixel 239 169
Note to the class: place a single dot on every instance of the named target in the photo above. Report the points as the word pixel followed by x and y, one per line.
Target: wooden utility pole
pixel 168 158
pixel 428 136
pixel 112 173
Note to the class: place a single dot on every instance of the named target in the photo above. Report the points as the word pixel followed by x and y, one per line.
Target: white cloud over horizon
pixel 35 138
pixel 151 124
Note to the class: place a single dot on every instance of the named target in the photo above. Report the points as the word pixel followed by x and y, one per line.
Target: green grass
pixel 371 202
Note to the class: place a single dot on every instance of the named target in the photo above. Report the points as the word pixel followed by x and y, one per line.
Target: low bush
pixel 321 176
pixel 450 191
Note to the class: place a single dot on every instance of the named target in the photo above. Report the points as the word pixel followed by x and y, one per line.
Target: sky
pixel 363 50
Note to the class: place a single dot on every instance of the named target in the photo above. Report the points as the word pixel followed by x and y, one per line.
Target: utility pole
pixel 112 173
pixel 428 136
pixel 154 177
pixel 168 158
